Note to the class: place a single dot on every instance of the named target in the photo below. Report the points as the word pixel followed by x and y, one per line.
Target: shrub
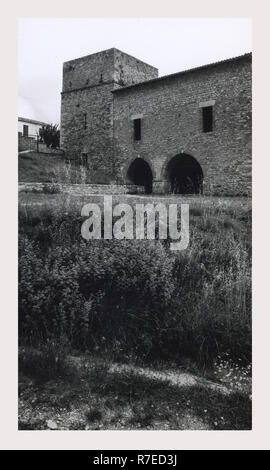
pixel 75 291
pixel 50 134
pixel 136 298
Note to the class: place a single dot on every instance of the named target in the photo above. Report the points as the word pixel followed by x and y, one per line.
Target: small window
pixel 137 129
pixel 84 160
pixel 85 121
pixel 207 115
pixel 25 130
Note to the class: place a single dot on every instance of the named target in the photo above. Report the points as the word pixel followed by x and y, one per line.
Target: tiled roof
pixel 31 121
pixel 165 77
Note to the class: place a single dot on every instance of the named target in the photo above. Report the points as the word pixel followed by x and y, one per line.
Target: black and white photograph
pixel 134 224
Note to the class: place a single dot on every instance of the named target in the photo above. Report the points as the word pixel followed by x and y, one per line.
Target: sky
pixel 171 45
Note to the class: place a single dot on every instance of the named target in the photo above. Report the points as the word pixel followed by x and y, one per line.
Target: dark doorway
pixel 140 174
pixel 185 175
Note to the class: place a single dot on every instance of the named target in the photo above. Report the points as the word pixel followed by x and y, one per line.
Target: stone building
pixel 188 132
pixel 28 131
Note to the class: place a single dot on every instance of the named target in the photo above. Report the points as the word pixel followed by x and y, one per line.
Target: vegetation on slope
pixel 40 167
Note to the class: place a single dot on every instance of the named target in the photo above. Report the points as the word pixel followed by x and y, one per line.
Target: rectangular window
pixel 25 130
pixel 85 121
pixel 84 160
pixel 137 129
pixel 207 116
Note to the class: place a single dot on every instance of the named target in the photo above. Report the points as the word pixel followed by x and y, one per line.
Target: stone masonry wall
pixel 80 189
pixel 87 108
pixel 172 123
pixel 96 138
pixel 128 70
pixel 26 143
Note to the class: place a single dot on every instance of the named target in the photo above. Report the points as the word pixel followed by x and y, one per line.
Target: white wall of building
pixel 33 129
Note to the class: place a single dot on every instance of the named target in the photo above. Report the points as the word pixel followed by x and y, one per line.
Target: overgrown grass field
pixel 136 302
pixel 49 168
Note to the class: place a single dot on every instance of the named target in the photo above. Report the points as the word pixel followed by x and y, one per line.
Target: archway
pixel 184 174
pixel 140 174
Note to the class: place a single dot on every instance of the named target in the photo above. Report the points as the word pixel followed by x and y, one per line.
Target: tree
pixel 50 134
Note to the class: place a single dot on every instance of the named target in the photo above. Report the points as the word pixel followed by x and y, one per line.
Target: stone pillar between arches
pixel 160 187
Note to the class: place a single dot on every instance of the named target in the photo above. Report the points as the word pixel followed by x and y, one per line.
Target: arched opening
pixel 185 175
pixel 140 174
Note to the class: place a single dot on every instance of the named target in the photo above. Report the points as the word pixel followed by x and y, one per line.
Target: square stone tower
pixel 87 108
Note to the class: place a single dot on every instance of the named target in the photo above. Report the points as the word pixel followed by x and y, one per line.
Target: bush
pixel 74 291
pixel 136 298
pixel 50 134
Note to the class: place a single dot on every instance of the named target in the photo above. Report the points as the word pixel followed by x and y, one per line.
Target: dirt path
pixel 179 379
pixel 108 395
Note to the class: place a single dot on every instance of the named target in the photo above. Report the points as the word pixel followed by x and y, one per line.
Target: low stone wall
pixel 42 148
pixel 31 144
pixel 26 143
pixel 79 189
